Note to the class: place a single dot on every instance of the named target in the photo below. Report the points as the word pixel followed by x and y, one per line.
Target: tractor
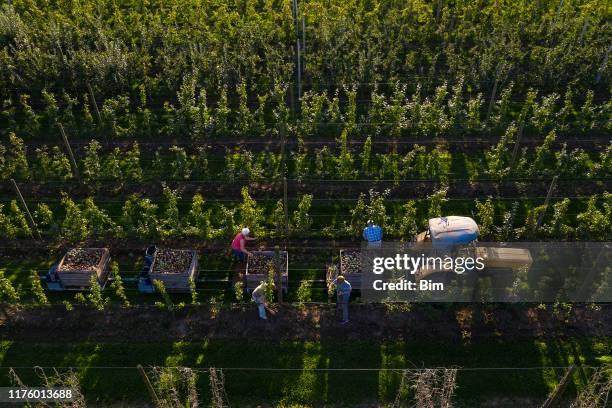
pixel 457 236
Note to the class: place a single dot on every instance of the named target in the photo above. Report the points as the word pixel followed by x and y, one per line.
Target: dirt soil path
pixel 311 323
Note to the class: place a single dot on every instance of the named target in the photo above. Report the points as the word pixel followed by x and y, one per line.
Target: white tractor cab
pixel 457 236
pixel 444 232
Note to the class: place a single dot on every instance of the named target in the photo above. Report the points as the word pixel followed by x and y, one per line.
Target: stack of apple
pixel 82 259
pixel 172 261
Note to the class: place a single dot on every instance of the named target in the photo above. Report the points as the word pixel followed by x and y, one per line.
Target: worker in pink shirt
pixel 239 244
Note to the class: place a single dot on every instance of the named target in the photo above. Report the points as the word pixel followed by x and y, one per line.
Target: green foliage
pixel 67 305
pixel 603 168
pixel 408 227
pixel 199 164
pixel 271 279
pixel 194 291
pixel 324 163
pixel 239 291
pixel 161 289
pixel 498 157
pixel 120 166
pixel 544 113
pixel 130 164
pixel 92 164
pixel 180 167
pixel 139 217
pixel 593 223
pixel 95 296
pixel 278 218
pixel 15 164
pixel 558 226
pixel 245 119
pixel 359 217
pixel 366 156
pixel 79 298
pixel 574 162
pixel 543 155
pixel 302 221
pixel 80 223
pixel 301 163
pixel 304 292
pixel 98 222
pixel 506 231
pixel 436 200
pixel 8 293
pixel 31 123
pixel 529 231
pixel 117 117
pixel 227 222
pixel 186 96
pixel 13 223
pixel 250 215
pixel 53 166
pixel 376 210
pixel 199 218
pixel 485 216
pixel 74 227
pixel 117 284
pixel 40 297
pixel 345 162
pixel 170 222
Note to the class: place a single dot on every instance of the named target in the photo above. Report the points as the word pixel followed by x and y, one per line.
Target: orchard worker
pixel 239 244
pixel 343 291
pixel 259 297
pixel 373 234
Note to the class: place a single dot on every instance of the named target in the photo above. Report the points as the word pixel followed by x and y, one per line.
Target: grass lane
pixel 317 387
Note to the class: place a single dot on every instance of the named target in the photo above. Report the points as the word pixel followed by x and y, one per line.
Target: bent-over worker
pixel 259 297
pixel 343 291
pixel 239 244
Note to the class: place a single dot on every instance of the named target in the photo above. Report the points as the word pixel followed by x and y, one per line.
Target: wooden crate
pixel 254 279
pixel 177 282
pixel 81 279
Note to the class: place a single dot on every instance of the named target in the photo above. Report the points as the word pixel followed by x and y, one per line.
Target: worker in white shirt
pixel 259 297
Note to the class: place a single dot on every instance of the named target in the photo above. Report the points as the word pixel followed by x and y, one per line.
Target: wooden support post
pixel 75 168
pixel 554 397
pixel 33 226
pixel 292 102
pixel 94 103
pixel 492 99
pixel 585 25
pixel 603 64
pixel 279 274
pixel 553 183
pixel 283 145
pixel 286 208
pixel 517 144
pixel 147 382
pixel 95 106
pixel 559 9
pixel 294 11
pixel 284 173
pixel 299 71
pixel 303 41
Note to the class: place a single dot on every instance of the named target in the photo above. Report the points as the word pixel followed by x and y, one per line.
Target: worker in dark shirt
pixel 343 291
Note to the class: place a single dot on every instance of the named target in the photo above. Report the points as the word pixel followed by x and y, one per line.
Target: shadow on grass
pixel 108 369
